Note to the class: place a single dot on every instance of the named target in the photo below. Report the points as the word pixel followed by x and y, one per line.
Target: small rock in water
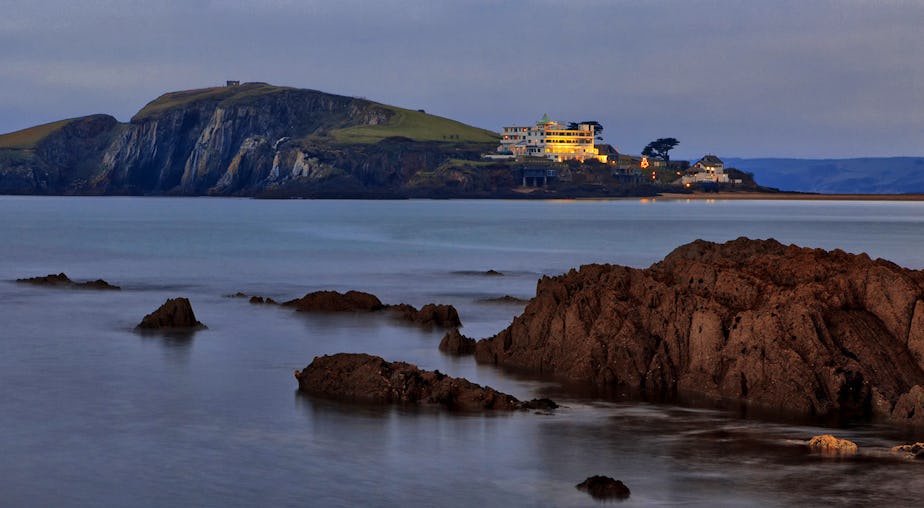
pixel 911 451
pixel 455 343
pixel 332 301
pixel 505 299
pixel 831 446
pixel 362 377
pixel 494 273
pixel 62 280
pixel 175 313
pixel 431 314
pixel 604 487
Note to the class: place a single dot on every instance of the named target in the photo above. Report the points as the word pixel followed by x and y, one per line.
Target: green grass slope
pixel 26 139
pixel 417 126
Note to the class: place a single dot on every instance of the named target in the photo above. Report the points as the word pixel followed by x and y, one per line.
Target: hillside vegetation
pixel 26 139
pixel 417 126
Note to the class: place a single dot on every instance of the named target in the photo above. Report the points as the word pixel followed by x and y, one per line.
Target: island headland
pixel 260 140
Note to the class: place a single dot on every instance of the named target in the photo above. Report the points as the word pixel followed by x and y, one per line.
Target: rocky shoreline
pixel 796 331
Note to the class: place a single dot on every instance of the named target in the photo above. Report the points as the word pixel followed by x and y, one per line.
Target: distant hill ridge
pixel 251 139
pixel 867 175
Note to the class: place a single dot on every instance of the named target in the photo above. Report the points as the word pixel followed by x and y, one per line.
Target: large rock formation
pixel 362 377
pixel 780 327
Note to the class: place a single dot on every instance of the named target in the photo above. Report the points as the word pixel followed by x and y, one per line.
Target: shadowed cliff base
pixel 778 328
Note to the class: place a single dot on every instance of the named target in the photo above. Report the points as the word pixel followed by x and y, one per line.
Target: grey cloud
pixel 785 78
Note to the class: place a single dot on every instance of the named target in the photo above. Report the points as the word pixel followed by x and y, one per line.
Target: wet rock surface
pixel 62 280
pixel 604 488
pixel 174 314
pixel 368 378
pixel 796 330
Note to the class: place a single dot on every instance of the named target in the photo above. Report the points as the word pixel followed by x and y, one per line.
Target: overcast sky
pixel 806 78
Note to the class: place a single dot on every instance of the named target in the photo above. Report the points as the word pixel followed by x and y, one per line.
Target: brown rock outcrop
pixel 431 314
pixel 362 377
pixel 175 313
pixel 62 280
pixel 332 301
pixel 782 327
pixel 831 446
pixel 455 343
pixel 604 487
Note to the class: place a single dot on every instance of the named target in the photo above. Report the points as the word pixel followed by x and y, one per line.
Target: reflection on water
pixel 92 413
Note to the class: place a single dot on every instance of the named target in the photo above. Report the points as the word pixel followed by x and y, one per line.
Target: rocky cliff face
pixel 62 162
pixel 249 140
pixel 780 327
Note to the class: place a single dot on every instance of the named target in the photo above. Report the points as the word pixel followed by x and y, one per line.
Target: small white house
pixel 709 169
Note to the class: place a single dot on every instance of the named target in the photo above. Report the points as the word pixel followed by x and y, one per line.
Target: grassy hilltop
pixel 406 123
pixel 27 139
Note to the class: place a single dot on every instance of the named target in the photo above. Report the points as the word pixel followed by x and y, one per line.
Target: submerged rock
pixel 785 328
pixel 362 377
pixel 604 487
pixel 175 313
pixel 62 280
pixel 332 301
pixel 431 314
pixel 829 445
pixel 259 300
pixel 455 343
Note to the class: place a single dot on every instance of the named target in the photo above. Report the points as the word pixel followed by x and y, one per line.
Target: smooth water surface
pixel 93 414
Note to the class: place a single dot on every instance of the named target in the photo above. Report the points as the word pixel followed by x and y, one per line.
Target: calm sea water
pixel 92 414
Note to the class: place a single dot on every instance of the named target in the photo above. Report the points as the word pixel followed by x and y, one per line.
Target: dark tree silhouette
pixel 660 147
pixel 597 127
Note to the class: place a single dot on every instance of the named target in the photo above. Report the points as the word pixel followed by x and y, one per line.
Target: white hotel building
pixel 550 140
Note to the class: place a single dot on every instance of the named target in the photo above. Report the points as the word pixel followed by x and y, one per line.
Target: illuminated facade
pixel 551 140
pixel 709 169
